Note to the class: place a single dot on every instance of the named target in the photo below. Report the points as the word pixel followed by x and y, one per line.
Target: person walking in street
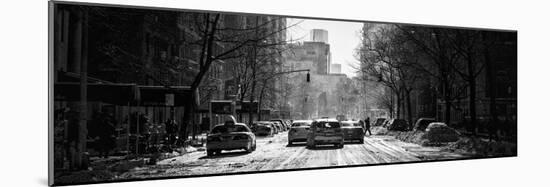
pixel 367 126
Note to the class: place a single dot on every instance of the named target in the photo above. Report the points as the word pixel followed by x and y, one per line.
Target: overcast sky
pixel 343 38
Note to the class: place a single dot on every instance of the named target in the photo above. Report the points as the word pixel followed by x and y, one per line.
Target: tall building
pixel 315 54
pixel 323 96
pixel 318 35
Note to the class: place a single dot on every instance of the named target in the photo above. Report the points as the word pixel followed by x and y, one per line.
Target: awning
pixel 159 95
pixel 124 94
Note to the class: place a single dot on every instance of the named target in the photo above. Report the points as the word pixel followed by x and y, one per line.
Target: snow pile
pixel 379 130
pixel 438 133
pixel 482 147
pixel 410 136
pixel 398 125
pixel 189 149
pixel 85 176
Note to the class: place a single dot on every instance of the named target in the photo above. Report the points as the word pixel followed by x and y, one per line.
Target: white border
pixel 24 92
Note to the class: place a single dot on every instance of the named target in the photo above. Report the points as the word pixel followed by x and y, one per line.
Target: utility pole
pixel 254 63
pixel 83 112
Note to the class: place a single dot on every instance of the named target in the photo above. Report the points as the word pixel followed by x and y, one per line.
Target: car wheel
pixel 209 152
pixel 362 141
pixel 289 142
pixel 254 148
pixel 310 144
pixel 341 145
pixel 248 148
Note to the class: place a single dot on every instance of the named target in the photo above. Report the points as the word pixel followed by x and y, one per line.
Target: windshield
pixel 328 125
pixel 300 124
pixel 229 129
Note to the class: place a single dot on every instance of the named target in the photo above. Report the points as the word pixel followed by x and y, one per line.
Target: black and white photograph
pixel 141 93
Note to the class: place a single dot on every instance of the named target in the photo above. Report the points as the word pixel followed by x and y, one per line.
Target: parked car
pixel 325 131
pixel 280 123
pixel 386 123
pixel 422 123
pixel 262 128
pixel 298 131
pixel 353 130
pixel 379 122
pixel 230 136
pixel 397 125
pixel 439 132
pixel 288 123
pixel 274 126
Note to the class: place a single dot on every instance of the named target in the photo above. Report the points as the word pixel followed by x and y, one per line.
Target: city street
pixel 273 153
pixel 156 93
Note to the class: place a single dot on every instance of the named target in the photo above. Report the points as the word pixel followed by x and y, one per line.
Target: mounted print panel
pixel 140 93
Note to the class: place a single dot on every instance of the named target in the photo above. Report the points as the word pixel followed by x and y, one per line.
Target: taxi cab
pixel 325 131
pixel 353 131
pixel 230 136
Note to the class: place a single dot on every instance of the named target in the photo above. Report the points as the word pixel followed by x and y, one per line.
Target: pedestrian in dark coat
pixel 367 126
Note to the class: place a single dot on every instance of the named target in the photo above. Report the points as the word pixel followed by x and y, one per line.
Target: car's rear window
pixel 328 125
pixel 300 124
pixel 229 129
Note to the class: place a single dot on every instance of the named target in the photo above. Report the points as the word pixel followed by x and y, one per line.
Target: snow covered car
pixel 230 136
pixel 279 126
pixel 353 131
pixel 284 126
pixel 325 131
pixel 422 123
pixel 298 131
pixel 398 125
pixel 263 128
pixel 379 122
pixel 274 127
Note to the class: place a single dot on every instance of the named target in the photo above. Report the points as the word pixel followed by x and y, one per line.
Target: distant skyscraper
pixel 318 35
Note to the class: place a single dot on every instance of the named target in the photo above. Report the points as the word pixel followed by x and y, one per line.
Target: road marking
pixel 299 152
pixel 339 156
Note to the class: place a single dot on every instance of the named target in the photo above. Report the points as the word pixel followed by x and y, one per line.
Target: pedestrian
pixel 493 129
pixel 367 126
pixel 171 130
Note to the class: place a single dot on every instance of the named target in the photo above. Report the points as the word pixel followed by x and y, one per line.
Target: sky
pixel 343 38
